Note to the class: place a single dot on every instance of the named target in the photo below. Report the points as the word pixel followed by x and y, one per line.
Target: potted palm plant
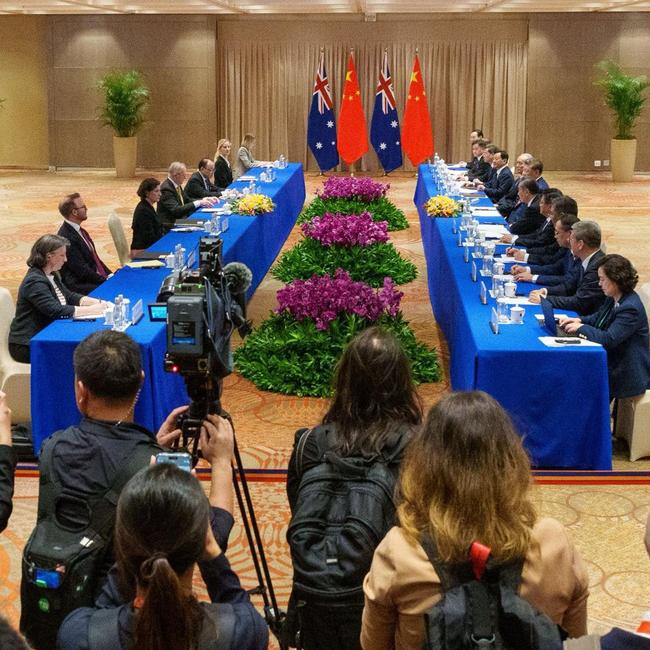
pixel 624 96
pixel 126 98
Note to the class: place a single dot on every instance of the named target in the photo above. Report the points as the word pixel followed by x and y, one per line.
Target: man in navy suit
pixel 580 291
pixel 506 204
pixel 534 169
pixel 83 270
pixel 526 217
pixel 502 178
pixel 543 235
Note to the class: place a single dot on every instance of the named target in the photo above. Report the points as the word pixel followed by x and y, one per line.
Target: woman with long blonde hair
pixel 222 168
pixel 465 478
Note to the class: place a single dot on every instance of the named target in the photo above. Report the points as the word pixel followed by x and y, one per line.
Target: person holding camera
pixel 165 525
pixel 82 471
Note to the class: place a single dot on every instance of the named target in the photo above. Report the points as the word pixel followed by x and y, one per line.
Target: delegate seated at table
pixel 222 167
pixel 621 327
pixel 199 186
pixel 146 226
pixel 174 203
pixel 580 291
pixel 42 296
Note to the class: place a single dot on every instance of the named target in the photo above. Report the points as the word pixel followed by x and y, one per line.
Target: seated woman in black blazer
pixel 222 168
pixel 42 296
pixel 621 327
pixel 147 227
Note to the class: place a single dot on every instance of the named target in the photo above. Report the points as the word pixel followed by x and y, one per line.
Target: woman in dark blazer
pixel 42 296
pixel 147 227
pixel 621 327
pixel 222 168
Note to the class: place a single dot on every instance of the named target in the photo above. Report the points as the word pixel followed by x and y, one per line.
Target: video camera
pixel 201 317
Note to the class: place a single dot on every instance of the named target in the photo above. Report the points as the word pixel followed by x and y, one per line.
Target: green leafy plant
pixel 126 98
pixel 369 264
pixel 381 210
pixel 293 357
pixel 624 96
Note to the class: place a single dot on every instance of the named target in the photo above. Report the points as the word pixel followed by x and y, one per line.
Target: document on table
pixel 468 192
pixel 567 342
pixel 506 259
pixel 247 178
pixel 518 300
pixel 485 212
pixel 493 231
pixel 145 264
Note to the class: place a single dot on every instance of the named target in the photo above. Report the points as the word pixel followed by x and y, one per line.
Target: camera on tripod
pixel 201 317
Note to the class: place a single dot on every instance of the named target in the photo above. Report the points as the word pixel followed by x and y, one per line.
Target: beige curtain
pixel 264 87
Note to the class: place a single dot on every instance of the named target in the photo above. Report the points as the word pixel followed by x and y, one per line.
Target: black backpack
pixel 344 508
pixel 61 563
pixel 485 613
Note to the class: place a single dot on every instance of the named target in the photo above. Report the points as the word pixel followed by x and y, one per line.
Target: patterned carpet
pixel 605 520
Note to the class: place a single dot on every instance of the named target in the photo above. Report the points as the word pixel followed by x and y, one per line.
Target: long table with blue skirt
pixel 557 397
pixel 255 241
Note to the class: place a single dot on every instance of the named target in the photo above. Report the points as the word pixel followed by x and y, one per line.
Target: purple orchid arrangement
pixel 348 187
pixel 346 229
pixel 323 298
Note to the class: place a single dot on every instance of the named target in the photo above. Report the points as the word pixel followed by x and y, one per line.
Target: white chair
pixel 119 238
pixel 639 441
pixel 14 377
pixel 644 294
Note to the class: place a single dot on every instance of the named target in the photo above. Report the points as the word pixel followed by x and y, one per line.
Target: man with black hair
pixel 199 186
pixel 89 460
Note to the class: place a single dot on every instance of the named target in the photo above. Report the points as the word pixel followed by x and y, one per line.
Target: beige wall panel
pixel 567 124
pixel 23 84
pixel 176 56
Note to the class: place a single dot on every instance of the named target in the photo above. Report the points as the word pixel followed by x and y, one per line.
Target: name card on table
pixel 494 321
pixel 483 293
pixel 473 272
pixel 137 312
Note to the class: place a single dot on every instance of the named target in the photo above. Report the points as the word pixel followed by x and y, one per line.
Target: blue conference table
pixel 558 397
pixel 255 241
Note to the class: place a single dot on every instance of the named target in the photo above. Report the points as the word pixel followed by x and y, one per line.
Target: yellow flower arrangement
pixel 441 206
pixel 253 204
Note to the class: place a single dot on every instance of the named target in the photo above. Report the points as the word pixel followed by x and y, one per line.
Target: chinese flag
pixel 417 135
pixel 352 141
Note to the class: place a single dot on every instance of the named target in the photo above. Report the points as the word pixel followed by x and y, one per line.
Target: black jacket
pixel 79 273
pixel 530 221
pixel 195 188
pixel 147 227
pixel 543 236
pixel 580 291
pixel 37 306
pixel 169 206
pixel 222 172
pixel 7 472
pixel 480 170
pixel 500 184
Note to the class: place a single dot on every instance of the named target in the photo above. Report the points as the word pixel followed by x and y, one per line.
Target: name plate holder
pixel 473 271
pixel 460 238
pixel 137 312
pixel 494 321
pixel 466 254
pixel 454 225
pixel 483 293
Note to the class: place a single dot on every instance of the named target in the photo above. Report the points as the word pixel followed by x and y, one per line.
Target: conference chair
pixel 119 238
pixel 640 440
pixel 14 376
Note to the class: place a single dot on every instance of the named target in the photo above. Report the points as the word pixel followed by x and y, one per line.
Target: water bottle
pixel 251 187
pixel 283 162
pixel 502 308
pixel 117 314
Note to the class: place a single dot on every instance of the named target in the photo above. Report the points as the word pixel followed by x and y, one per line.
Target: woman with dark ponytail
pixel 164 526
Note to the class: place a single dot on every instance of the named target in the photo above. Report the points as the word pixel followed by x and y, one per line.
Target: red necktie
pixel 98 263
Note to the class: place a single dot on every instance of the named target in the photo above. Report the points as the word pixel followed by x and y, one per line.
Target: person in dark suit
pixel 146 226
pixel 199 186
pixel 84 270
pixel 534 169
pixel 222 168
pixel 580 291
pixel 543 235
pixel 43 297
pixel 506 203
pixel 560 266
pixel 526 218
pixel 501 180
pixel 621 327
pixel 481 169
pixel 174 203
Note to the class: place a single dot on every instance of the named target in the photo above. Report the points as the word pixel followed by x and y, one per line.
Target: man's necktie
pixel 179 191
pixel 98 263
pixel 205 182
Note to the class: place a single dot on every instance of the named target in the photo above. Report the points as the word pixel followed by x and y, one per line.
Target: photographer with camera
pixel 82 472
pixel 164 526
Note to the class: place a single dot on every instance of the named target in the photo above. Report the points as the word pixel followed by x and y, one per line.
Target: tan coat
pixel 402 585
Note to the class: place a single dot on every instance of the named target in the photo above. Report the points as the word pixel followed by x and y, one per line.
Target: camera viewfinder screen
pixel 184 332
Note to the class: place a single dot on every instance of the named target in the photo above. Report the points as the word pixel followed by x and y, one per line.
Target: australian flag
pixel 384 130
pixel 321 129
